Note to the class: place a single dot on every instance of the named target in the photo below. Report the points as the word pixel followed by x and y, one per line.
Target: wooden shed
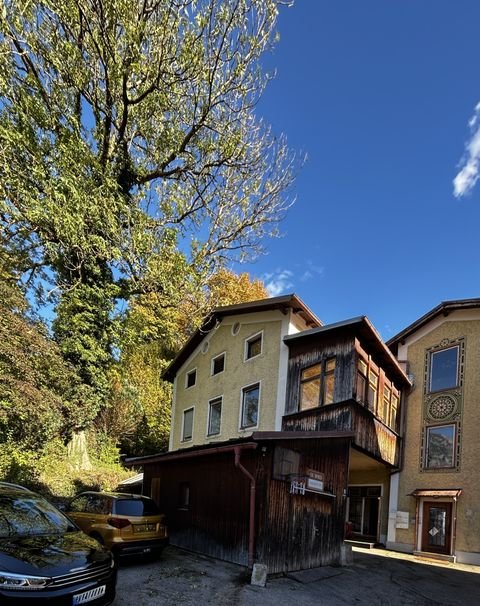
pixel 276 498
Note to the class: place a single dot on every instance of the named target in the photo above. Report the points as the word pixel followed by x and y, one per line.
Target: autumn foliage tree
pixel 139 410
pixel 128 134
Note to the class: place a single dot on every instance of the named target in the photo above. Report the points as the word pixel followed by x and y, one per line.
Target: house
pixel 435 495
pixel 282 429
pixel 342 377
pixel 230 377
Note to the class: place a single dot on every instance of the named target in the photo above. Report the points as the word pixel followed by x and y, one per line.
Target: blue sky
pixel 381 96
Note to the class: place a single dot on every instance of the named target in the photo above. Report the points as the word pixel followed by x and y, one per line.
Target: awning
pixel 435 493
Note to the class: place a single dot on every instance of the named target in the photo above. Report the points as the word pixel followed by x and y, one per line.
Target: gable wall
pixel 463 325
pixel 238 374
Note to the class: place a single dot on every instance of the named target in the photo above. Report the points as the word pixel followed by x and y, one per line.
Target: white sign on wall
pixel 402 519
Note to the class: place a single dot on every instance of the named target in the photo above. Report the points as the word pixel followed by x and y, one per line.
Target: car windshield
pixel 30 515
pixel 136 507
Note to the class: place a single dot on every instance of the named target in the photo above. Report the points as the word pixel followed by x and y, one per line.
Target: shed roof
pixel 444 308
pixel 249 443
pixel 361 327
pixel 282 303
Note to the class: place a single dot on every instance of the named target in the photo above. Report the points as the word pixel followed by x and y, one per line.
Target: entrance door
pixel 363 511
pixel 437 522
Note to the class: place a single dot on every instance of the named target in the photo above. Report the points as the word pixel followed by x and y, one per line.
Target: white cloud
pixel 278 282
pixel 311 271
pixel 469 173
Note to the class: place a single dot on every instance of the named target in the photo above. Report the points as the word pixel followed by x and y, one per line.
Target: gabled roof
pixel 362 328
pixel 283 303
pixel 445 308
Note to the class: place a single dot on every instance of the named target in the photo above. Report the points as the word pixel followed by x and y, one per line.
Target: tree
pixel 127 134
pixel 41 397
pixel 138 414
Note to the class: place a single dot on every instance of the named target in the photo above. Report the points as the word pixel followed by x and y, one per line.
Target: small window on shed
pixel 286 463
pixel 184 495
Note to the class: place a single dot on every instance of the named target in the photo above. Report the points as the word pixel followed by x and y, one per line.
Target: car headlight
pixel 22 581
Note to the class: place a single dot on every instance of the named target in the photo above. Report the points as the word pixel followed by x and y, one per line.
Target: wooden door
pixel 437 527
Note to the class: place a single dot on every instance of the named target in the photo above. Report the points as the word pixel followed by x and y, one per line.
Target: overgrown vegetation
pixel 132 170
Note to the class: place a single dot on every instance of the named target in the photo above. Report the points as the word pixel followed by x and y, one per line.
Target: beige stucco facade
pixel 425 409
pixel 267 370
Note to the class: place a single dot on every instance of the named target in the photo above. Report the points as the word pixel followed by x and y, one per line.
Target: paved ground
pixel 376 577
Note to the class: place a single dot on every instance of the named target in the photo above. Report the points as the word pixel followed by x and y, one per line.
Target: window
pixel 310 384
pixel 250 403
pixel 253 346
pixel 218 364
pixel 317 384
pixel 372 392
pixel 440 447
pixel 79 504
pixel 191 378
pixel 329 381
pixel 184 496
pixel 187 430
pixel 394 412
pixel 214 416
pixel 362 372
pixel 286 463
pixel 387 398
pixel 135 507
pixel 444 369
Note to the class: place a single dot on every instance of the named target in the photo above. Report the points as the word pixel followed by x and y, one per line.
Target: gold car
pixel 125 523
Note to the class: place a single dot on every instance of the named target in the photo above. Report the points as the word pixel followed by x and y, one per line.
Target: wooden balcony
pixel 371 435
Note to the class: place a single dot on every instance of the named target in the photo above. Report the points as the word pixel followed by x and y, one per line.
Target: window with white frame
pixel 187 428
pixel 214 416
pixel 253 346
pixel 440 446
pixel 444 369
pixel 191 378
pixel 250 405
pixel 218 364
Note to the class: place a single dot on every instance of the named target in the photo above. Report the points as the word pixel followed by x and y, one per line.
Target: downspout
pixel 251 529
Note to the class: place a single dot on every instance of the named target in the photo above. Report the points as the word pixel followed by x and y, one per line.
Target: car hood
pixel 51 555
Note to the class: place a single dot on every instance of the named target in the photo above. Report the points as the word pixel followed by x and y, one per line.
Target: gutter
pixel 251 526
pixel 189 454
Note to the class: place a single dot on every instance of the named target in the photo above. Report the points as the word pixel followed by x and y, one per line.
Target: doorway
pixel 436 527
pixel 364 510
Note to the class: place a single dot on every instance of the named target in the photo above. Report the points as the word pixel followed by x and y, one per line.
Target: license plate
pixel 88 596
pixel 144 527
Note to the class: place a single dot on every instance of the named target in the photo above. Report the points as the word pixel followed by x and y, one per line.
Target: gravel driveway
pixel 376 577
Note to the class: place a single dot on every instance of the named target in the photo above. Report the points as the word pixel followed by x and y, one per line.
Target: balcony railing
pixel 371 435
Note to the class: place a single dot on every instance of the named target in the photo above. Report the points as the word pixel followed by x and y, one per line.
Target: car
pixel 46 559
pixel 125 523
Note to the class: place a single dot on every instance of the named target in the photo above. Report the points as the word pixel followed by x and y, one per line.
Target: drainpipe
pixel 251 531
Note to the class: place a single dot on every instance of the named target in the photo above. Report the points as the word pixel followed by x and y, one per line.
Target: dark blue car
pixel 46 559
